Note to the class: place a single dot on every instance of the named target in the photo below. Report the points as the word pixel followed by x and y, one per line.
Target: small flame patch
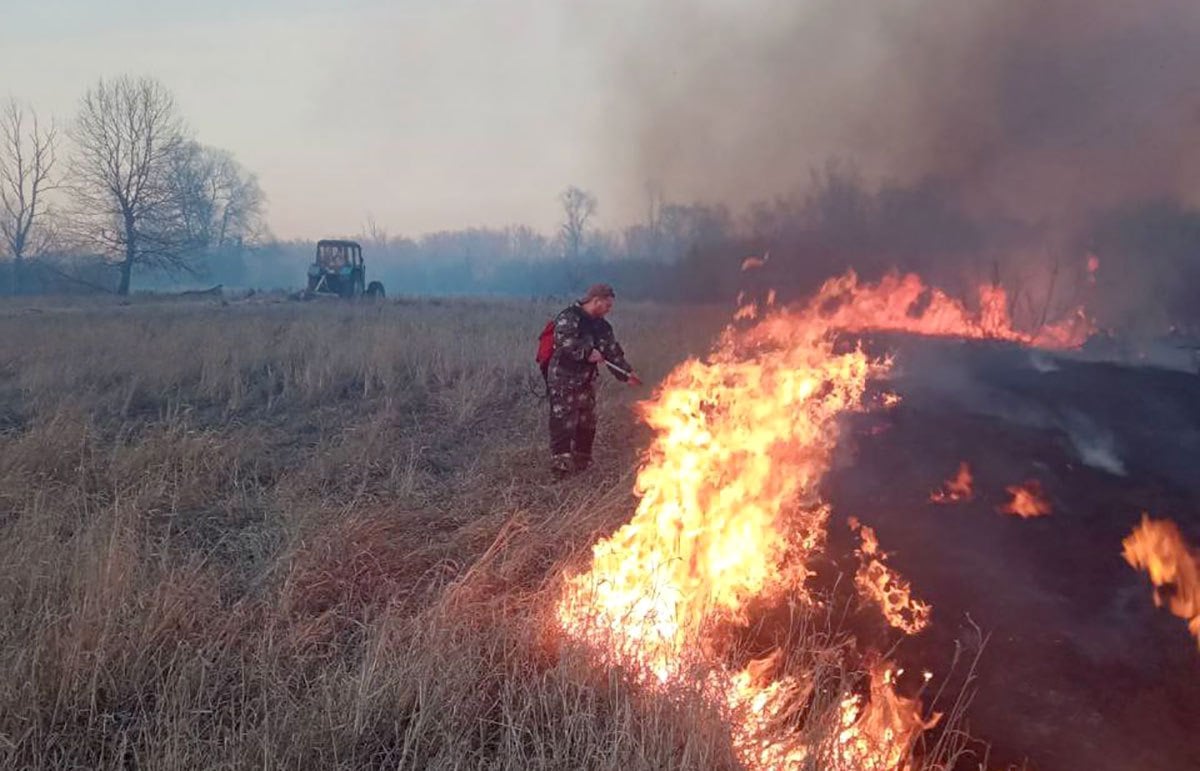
pixel 960 488
pixel 1157 547
pixel 887 588
pixel 1028 501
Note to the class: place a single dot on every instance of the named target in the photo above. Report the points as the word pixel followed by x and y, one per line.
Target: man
pixel 583 341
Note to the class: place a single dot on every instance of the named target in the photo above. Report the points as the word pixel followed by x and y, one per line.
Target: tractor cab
pixel 335 255
pixel 338 270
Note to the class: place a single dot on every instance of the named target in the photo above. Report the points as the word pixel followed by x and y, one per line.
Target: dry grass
pixel 321 536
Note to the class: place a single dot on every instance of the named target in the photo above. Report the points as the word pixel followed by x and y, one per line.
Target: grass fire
pixel 237 535
pixel 757 386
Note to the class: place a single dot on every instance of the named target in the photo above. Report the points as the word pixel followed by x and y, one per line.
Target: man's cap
pixel 597 290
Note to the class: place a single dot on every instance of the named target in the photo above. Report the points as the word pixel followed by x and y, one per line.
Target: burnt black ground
pixel 1081 669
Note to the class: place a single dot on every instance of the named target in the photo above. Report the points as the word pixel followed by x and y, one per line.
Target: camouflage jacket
pixel 576 335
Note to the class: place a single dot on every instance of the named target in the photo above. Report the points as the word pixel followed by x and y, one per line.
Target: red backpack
pixel 546 348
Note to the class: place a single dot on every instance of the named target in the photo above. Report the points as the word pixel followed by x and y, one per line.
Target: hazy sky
pixel 427 114
pixel 432 114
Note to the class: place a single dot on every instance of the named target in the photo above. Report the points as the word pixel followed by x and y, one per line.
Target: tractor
pixel 338 270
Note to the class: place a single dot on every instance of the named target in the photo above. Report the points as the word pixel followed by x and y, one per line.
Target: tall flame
pixel 729 515
pixel 1157 547
pixel 728 488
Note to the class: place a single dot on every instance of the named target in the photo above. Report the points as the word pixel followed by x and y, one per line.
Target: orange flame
pixel 905 303
pixel 729 516
pixel 740 446
pixel 889 591
pixel 1157 547
pixel 958 489
pixel 1028 501
pixel 868 739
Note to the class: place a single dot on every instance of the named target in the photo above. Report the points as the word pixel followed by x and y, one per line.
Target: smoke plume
pixel 1042 110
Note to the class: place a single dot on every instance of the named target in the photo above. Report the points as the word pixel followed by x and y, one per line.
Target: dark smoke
pixel 1038 109
pixel 991 140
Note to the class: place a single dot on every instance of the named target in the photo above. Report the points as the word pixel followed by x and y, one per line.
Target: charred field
pixel 1081 670
pixel 273 534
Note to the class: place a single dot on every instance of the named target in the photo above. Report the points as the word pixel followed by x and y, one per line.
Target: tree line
pixel 1148 252
pixel 126 188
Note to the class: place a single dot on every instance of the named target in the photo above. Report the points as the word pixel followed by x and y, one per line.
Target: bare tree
pixel 219 204
pixel 578 207
pixel 240 202
pixel 27 157
pixel 374 235
pixel 130 140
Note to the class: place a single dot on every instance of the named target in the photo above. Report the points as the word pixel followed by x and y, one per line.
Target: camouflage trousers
pixel 572 426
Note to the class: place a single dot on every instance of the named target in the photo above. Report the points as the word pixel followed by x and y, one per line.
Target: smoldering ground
pixel 1075 638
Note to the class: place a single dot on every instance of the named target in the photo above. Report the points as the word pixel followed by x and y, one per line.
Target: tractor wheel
pixel 375 290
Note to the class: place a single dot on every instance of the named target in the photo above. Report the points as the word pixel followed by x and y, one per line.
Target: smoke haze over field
pixel 1030 108
pixel 1009 140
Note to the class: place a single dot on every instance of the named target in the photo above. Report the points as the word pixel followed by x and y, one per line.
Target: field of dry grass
pixel 285 535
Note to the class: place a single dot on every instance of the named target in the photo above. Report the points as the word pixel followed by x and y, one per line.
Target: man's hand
pixel 595 357
pixel 634 380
